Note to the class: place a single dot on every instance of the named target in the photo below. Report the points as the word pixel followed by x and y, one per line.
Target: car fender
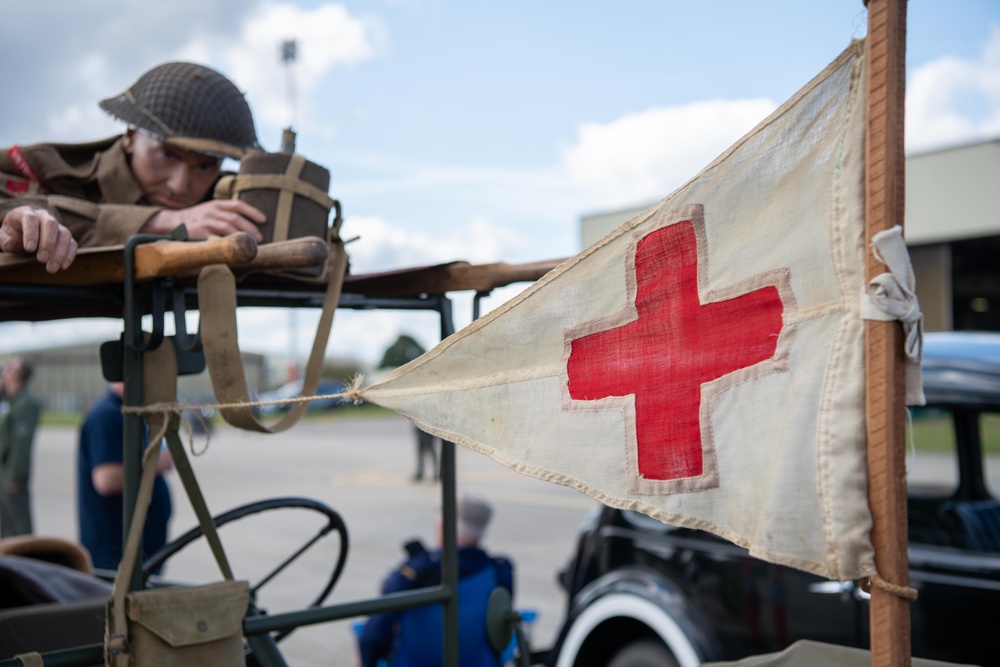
pixel 646 597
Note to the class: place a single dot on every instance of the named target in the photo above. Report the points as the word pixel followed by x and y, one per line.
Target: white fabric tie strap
pixel 890 296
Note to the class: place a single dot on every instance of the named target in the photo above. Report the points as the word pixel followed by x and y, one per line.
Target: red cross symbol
pixel 675 346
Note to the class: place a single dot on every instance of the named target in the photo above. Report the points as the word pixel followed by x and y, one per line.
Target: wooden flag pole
pixel 885 392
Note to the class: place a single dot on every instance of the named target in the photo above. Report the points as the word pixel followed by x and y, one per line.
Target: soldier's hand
pixel 220 217
pixel 26 229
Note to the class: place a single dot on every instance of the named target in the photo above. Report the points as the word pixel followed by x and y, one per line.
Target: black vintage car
pixel 642 593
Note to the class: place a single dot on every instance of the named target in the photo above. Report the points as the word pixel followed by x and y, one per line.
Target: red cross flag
pixel 704 362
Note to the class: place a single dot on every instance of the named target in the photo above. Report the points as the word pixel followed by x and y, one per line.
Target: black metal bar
pixel 295 299
pixel 391 602
pixel 132 395
pixel 449 553
pixel 132 351
pixel 447 320
pixel 476 303
pixel 60 294
pixel 264 646
pixel 291 559
pixel 184 340
pixel 449 547
pixel 91 654
pixel 158 307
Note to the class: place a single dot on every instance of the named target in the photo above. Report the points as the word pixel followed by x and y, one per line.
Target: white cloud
pixel 86 118
pixel 327 36
pixel 645 156
pixel 101 52
pixel 28 336
pixel 954 100
pixel 384 246
pixel 91 52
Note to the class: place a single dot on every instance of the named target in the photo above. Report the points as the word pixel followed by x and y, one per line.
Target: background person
pixel 427 448
pixel 101 479
pixel 402 638
pixel 182 120
pixel 19 415
pixel 402 351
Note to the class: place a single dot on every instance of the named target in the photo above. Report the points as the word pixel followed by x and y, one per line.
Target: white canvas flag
pixel 703 363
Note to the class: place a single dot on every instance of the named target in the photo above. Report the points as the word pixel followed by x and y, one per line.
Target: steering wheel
pixel 334 524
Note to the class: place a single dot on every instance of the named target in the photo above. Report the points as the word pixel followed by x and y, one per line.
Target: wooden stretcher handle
pixel 106 266
pixel 485 277
pixel 174 258
pixel 301 253
pixel 442 278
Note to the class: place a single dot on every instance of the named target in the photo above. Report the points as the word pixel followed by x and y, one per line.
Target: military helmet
pixel 189 106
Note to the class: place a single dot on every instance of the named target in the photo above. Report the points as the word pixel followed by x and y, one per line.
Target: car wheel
pixel 645 653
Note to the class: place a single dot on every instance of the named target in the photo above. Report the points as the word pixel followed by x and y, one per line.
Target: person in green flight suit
pixel 19 414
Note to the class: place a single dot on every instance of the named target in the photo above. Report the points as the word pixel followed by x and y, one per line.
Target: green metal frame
pixel 141 299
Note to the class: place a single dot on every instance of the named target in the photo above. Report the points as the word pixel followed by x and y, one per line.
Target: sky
pixel 477 131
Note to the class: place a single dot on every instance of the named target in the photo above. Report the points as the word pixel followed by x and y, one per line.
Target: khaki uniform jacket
pixel 87 187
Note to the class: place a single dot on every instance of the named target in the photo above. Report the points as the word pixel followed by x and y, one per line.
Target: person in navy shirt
pixel 100 480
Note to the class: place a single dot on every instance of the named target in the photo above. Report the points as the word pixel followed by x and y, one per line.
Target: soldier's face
pixel 170 177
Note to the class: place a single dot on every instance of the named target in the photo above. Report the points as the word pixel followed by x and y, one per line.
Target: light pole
pixel 289 53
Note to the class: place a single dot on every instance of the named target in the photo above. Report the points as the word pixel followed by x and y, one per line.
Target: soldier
pixel 182 120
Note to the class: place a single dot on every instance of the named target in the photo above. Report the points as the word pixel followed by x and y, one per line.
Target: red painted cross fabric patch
pixel 675 346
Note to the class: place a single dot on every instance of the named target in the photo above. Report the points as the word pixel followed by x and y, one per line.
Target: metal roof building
pixel 952 228
pixel 69 378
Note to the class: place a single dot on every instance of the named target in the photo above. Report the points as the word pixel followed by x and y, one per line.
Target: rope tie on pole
pixel 905 592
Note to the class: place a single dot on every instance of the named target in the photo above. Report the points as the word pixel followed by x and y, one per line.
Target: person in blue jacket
pixel 413 638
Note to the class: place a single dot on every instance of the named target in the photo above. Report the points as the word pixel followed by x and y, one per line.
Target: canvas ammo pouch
pixel 182 626
pixel 291 191
pixel 187 626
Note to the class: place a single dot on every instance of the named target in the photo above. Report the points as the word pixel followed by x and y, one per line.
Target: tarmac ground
pixel 361 466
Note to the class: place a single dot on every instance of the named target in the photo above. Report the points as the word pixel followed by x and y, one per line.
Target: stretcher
pixel 156 277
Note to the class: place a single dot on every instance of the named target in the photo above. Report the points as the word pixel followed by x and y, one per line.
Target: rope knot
pixel 891 296
pixel 905 592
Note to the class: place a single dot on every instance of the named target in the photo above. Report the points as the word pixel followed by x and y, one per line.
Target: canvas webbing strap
pixel 183 467
pixel 283 212
pixel 116 646
pixel 282 181
pixel 229 186
pixel 159 386
pixel 219 336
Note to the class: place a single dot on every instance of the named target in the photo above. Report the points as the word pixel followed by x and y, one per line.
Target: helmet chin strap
pixel 147 113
